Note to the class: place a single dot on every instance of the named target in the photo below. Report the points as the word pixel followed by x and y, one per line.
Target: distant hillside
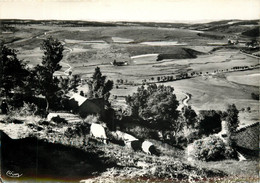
pixel 69 23
pixel 227 26
pixel 252 32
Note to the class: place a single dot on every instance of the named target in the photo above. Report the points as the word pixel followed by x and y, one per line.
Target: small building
pixel 85 106
pixel 115 63
pixel 246 138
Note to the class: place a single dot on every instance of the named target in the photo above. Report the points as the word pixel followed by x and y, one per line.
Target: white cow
pixel 125 136
pixel 146 145
pixel 98 131
pixel 51 115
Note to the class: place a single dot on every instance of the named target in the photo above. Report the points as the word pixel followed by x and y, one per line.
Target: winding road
pixel 186 99
pixel 67 71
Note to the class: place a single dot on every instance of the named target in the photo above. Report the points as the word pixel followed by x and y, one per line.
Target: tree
pixel 74 83
pixel 190 116
pixel 156 104
pixel 209 122
pixel 47 85
pixel 232 118
pixel 99 87
pixel 12 71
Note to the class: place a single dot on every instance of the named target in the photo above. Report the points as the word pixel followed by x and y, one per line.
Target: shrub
pixel 255 96
pixel 27 109
pixel 80 130
pixel 143 132
pixel 212 148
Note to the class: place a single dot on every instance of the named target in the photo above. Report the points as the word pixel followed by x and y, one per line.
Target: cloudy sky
pixel 131 10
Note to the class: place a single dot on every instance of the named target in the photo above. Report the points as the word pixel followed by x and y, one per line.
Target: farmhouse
pixel 85 106
pixel 115 63
pixel 246 138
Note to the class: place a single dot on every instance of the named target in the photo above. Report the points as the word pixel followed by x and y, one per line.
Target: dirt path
pixel 65 61
pixel 186 99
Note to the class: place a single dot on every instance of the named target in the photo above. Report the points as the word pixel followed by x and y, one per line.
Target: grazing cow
pixel 98 131
pixel 136 145
pixel 125 136
pixel 149 148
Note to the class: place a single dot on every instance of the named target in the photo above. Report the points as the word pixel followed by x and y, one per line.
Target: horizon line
pixel 134 21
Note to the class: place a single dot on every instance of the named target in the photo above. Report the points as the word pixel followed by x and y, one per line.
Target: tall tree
pixel 74 83
pixel 156 104
pixel 99 87
pixel 12 71
pixel 190 116
pixel 47 85
pixel 232 118
pixel 209 122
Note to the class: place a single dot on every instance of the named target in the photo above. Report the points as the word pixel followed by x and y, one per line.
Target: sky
pixel 131 10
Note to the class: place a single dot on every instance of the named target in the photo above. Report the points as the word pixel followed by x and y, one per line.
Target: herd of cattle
pixel 98 131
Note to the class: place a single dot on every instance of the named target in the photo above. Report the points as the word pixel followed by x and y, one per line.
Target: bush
pixel 143 132
pixel 255 96
pixel 80 130
pixel 212 148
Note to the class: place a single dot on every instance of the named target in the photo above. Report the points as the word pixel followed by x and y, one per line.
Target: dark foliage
pixel 255 96
pixel 252 33
pixel 12 71
pixel 190 116
pixel 99 87
pixel 209 122
pixel 232 118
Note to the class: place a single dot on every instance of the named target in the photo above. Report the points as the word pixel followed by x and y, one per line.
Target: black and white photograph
pixel 129 91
